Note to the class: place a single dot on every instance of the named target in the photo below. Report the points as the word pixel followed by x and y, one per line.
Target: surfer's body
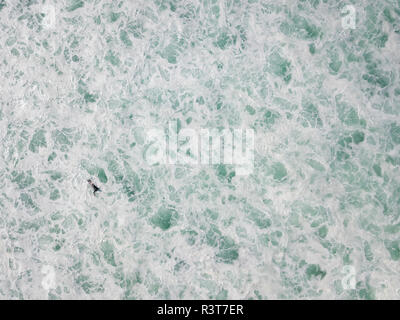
pixel 95 188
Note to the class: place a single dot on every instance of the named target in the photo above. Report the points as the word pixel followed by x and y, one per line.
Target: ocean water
pixel 82 83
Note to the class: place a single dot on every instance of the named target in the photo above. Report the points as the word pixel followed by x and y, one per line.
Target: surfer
pixel 95 188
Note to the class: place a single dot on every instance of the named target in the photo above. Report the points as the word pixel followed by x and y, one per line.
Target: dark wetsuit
pixel 95 188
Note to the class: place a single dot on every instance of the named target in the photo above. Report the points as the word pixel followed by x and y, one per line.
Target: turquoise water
pixel 83 82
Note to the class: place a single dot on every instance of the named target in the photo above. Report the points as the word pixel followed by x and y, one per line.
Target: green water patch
pixel 349 140
pixel 84 91
pixel 136 28
pixel 32 225
pixel 284 104
pixel 342 156
pixel 278 171
pixel 55 194
pixel 393 247
pixel 315 165
pixel 374 26
pixel 395 133
pixel 113 16
pixel 173 194
pixel 368 251
pixel 132 183
pixel 335 62
pixel 11 41
pixel 28 202
pixel 129 191
pixel 165 218
pixel 23 179
pixel 322 231
pixel 279 66
pixel 364 291
pixel 377 169
pixel 124 37
pixel 112 58
pixel 181 266
pixel 250 110
pixel 89 286
pixel 154 95
pixel 108 252
pixel 173 49
pixel 38 141
pixel 310 116
pixel 63 139
pixel 116 170
pixel 315 271
pixel 225 172
pixel 127 280
pixel 227 250
pixel 346 113
pixel 388 15
pixel 102 175
pixel 258 217
pixel 301 28
pixel 51 157
pixel 74 5
pixel 54 175
pixel 392 228
pixel 269 118
pixel 15 52
pixel 88 97
pixel 316 216
pixel 212 214
pixel 45 240
pixel 272 238
pixel 375 75
pixel 94 170
pixel 225 39
pixel 358 137
pixel 170 53
pixel 190 236
pixel 311 48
